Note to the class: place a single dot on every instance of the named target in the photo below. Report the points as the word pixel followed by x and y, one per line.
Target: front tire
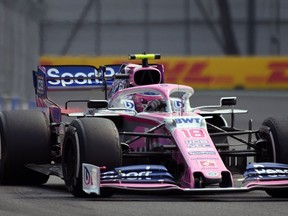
pixel 279 142
pixel 89 140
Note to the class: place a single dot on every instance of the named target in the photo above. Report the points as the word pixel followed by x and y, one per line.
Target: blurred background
pixel 207 44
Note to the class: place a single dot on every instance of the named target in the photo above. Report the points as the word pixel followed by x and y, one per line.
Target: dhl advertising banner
pixel 204 72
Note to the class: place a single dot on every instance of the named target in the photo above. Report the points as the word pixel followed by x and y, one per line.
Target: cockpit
pixel 169 98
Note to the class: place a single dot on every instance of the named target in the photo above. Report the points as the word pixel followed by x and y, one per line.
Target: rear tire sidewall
pixel 25 139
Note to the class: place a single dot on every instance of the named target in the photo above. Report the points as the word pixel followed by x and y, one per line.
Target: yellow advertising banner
pixel 204 72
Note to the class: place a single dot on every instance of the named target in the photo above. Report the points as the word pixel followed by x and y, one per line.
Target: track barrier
pixel 204 72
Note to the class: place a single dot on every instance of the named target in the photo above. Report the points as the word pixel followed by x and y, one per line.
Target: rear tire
pixel 279 131
pixel 24 139
pixel 89 140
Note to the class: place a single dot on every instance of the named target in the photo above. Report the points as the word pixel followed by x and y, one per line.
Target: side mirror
pixel 97 104
pixel 228 101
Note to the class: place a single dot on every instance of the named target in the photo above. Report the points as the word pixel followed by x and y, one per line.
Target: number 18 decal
pixel 192 133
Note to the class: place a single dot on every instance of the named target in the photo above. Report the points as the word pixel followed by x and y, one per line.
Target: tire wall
pixel 19 52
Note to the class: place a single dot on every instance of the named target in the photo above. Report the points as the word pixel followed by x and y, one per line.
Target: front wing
pixel 270 176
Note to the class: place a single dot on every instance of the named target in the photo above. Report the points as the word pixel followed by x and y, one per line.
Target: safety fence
pixel 211 73
pixel 19 51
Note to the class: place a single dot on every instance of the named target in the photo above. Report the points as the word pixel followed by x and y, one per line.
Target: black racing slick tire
pixel 279 142
pixel 279 132
pixel 89 140
pixel 24 139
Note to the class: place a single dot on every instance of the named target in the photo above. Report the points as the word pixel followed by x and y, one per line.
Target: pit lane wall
pixel 251 73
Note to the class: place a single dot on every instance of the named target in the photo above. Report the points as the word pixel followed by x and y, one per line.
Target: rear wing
pixel 72 77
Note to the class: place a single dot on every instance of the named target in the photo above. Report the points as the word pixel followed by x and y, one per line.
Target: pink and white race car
pixel 144 136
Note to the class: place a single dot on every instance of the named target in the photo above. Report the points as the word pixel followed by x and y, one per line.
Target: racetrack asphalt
pixel 53 199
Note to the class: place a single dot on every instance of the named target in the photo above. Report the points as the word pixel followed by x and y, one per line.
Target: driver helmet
pixel 142 101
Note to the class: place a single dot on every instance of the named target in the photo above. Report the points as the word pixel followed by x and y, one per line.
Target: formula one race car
pixel 144 136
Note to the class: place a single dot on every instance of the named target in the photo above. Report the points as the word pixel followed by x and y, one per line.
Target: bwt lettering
pixel 187 120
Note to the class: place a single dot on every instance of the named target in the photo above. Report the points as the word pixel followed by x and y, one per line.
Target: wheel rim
pixel 69 163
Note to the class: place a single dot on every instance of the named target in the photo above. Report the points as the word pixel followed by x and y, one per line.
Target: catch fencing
pixel 19 51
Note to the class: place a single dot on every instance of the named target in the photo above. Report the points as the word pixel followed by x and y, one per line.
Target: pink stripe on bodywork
pixel 166 187
pixel 269 184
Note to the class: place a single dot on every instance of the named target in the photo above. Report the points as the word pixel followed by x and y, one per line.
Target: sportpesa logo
pixel 131 175
pixel 73 76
